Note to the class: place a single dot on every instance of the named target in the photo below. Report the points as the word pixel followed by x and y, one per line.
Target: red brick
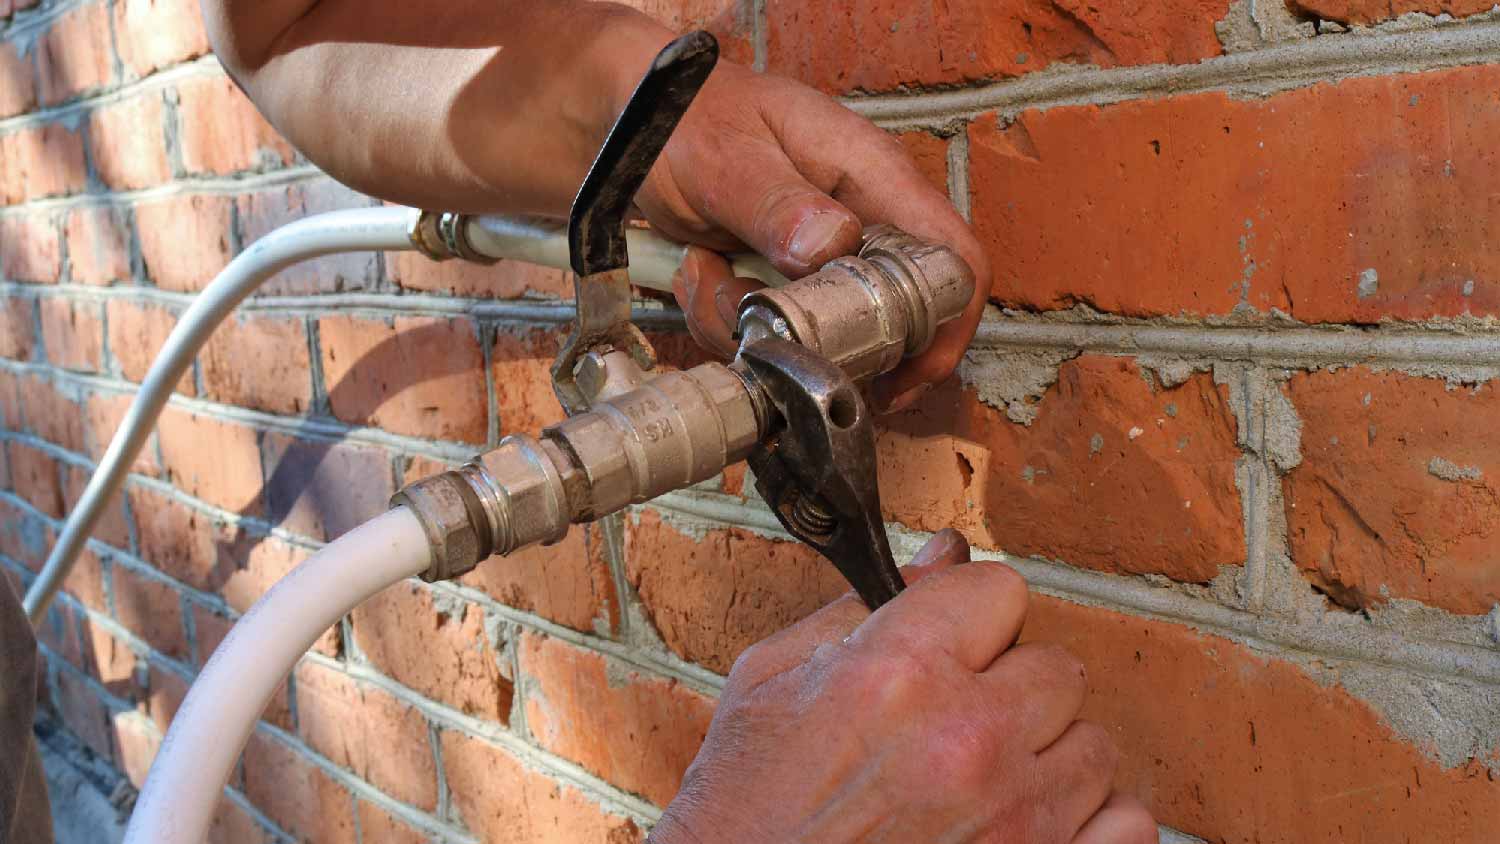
pixel 111 527
pixel 233 825
pixel 712 596
pixel 162 696
pixel 1398 492
pixel 98 244
pixel 637 731
pixel 879 45
pixel 261 362
pixel 128 143
pixel 251 565
pixel 184 239
pixel 378 825
pixel 213 460
pixel 179 541
pixel 84 713
pixel 23 536
pixel 75 55
pixel 930 154
pixel 85 581
pixel 504 280
pixel 59 631
pixel 1283 205
pixel 103 413
pixel 72 333
pixel 153 34
pixel 521 370
pixel 359 727
pixel 1374 11
pixel 296 794
pixel 17 81
pixel 16 333
pixel 10 403
pixel 152 609
pixel 41 161
pixel 34 476
pixel 502 800
pixel 49 412
pixel 108 659
pixel 221 132
pixel 443 652
pixel 1234 746
pixel 136 743
pixel 323 489
pixel 1116 472
pixel 422 376
pixel 30 249
pixel 730 21
pixel 264 211
pixel 568 583
pixel 137 331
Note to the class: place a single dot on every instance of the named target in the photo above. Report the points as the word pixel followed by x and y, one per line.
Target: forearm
pixel 474 105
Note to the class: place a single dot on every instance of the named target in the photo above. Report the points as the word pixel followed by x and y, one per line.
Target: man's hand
pixel 764 162
pixel 920 723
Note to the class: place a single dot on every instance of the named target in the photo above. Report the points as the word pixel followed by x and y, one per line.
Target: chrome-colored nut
pixel 935 282
pixel 454 230
pixel 520 493
pixel 425 237
pixel 447 507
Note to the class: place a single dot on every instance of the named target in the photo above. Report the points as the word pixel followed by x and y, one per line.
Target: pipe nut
pixel 520 492
pixel 447 508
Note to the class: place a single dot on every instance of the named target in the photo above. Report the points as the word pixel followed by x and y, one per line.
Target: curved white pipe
pixel 199 752
pixel 354 230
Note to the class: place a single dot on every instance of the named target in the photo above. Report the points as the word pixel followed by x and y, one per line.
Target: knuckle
pixel 1137 827
pixel 1097 747
pixel 1062 664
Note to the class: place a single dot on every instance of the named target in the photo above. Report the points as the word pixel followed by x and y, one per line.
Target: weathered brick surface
pixel 112 527
pixel 17 332
pixel 1194 204
pixel 261 362
pixel 211 459
pixel 136 743
pixel 877 45
pixel 502 800
pixel 297 795
pixel 72 333
pixel 360 727
pixel 441 649
pixel 98 239
pixel 1116 472
pixel 636 731
pixel 17 81
pixel 1396 495
pixel 221 132
pixel 233 825
pixel 41 161
pixel 75 55
pixel 151 609
pixel 184 239
pixel 261 212
pixel 521 373
pixel 179 540
pixel 376 824
pixel 50 410
pixel 504 280
pixel 34 475
pixel 322 489
pixel 107 658
pixel 24 537
pixel 414 375
pixel 128 142
pixel 152 34
pixel 30 249
pixel 102 415
pixel 1235 746
pixel 568 583
pixel 711 595
pixel 137 331
pixel 84 713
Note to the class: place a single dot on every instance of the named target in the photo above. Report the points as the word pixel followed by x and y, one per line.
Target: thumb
pixel 781 215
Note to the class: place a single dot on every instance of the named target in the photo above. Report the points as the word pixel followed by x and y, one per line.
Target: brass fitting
pixel 867 312
pixel 673 431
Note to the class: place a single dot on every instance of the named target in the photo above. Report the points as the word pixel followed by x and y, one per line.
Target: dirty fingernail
pixel 937 547
pixel 815 235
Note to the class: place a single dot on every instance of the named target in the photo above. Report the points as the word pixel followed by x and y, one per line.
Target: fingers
pixel 971 613
pixel 794 645
pixel 1122 820
pixel 1041 688
pixel 1078 772
pixel 709 294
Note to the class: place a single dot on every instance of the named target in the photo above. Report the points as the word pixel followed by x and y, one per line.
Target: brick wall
pixel 1232 416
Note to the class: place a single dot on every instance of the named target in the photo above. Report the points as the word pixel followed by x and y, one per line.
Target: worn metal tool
pixel 789 403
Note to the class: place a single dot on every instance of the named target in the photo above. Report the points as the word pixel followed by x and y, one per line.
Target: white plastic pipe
pixel 215 720
pixel 356 230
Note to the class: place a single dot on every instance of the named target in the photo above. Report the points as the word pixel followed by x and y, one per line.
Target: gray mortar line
pixel 1132 595
pixel 197 186
pixel 536 758
pixel 1256 73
